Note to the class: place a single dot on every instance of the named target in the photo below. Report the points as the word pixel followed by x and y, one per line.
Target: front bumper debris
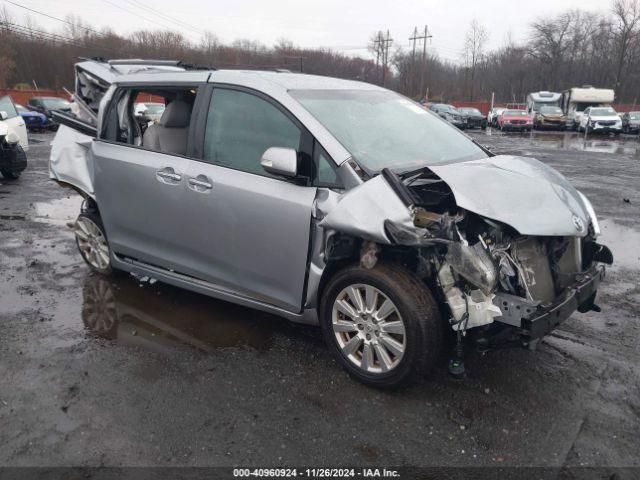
pixel 581 294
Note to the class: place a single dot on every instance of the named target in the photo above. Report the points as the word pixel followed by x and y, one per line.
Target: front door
pixel 250 229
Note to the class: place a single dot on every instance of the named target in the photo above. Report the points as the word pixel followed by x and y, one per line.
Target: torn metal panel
pixel 521 192
pixel 514 308
pixel 70 161
pixel 363 210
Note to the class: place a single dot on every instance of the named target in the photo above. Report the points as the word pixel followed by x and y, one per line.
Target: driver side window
pixel 241 126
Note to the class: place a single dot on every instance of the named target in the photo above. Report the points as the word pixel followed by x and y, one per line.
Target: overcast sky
pixel 341 24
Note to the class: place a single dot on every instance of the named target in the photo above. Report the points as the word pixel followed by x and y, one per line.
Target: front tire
pixel 382 324
pixel 91 239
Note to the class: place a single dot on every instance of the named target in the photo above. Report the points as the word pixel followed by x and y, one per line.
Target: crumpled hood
pixel 522 192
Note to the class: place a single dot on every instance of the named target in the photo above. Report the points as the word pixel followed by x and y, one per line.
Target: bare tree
pixel 474 44
pixel 626 14
pixel 549 44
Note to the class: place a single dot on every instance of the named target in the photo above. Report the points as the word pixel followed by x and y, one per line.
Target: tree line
pixel 573 48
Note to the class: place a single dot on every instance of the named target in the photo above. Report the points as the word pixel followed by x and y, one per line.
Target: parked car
pixel 450 114
pixel 475 118
pixel 14 141
pixel 329 202
pixel 550 118
pixel 631 122
pixel 46 106
pixel 149 111
pixel 34 121
pixel 515 120
pixel 492 116
pixel 601 120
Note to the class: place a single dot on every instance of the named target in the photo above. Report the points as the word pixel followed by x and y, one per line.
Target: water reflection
pixel 161 317
pixel 627 145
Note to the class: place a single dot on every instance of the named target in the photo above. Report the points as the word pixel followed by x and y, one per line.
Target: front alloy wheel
pixel 368 328
pixel 382 324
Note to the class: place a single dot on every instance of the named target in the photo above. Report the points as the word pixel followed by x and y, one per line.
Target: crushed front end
pixel 498 284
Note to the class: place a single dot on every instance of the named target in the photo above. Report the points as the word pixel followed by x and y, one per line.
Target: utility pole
pixel 425 37
pixel 412 80
pixel 385 55
pixel 377 45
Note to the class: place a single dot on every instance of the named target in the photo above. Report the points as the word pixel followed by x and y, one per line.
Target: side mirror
pixel 280 161
pixel 3 115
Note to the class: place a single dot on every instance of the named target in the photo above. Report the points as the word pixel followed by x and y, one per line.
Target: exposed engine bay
pixel 485 271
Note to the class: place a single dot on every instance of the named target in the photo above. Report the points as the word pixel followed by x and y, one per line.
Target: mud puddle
pixel 160 317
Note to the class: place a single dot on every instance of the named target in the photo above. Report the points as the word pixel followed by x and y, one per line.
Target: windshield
pixel 382 129
pixel 516 113
pixel 551 111
pixel 634 115
pixel 56 103
pixel 602 112
pixel 470 111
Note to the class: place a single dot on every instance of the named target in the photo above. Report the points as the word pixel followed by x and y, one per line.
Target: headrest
pixel 176 115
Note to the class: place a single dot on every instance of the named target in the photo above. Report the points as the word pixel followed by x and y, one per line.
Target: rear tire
pixel 92 242
pixel 383 325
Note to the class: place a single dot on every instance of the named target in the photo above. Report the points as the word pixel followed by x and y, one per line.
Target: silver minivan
pixel 329 202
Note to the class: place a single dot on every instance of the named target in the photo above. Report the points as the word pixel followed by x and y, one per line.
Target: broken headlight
pixel 474 264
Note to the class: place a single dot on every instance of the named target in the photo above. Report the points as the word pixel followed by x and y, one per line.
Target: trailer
pixel 535 100
pixel 577 99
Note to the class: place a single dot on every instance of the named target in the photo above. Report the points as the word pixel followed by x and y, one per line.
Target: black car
pixel 475 118
pixel 46 105
pixel 450 114
pixel 631 122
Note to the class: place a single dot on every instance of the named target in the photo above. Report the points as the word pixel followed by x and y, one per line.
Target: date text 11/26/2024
pixel 315 473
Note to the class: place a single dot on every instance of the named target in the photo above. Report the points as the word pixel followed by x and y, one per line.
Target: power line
pixel 54 18
pixel 166 17
pixel 135 14
pixel 52 37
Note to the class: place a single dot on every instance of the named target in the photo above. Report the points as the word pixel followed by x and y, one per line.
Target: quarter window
pixel 241 127
pixel 326 174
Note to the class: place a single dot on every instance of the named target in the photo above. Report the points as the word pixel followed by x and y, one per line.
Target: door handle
pixel 168 175
pixel 200 183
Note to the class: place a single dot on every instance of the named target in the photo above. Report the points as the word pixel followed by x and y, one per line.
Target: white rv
pixel 535 100
pixel 576 100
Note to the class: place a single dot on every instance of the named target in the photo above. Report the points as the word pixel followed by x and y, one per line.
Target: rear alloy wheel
pixel 92 243
pixel 382 324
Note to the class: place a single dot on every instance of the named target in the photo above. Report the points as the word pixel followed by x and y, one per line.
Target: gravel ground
pixel 128 373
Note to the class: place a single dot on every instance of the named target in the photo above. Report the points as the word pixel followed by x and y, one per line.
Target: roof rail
pixel 139 61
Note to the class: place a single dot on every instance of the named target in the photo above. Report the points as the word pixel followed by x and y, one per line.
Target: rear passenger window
pixel 241 127
pixel 158 119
